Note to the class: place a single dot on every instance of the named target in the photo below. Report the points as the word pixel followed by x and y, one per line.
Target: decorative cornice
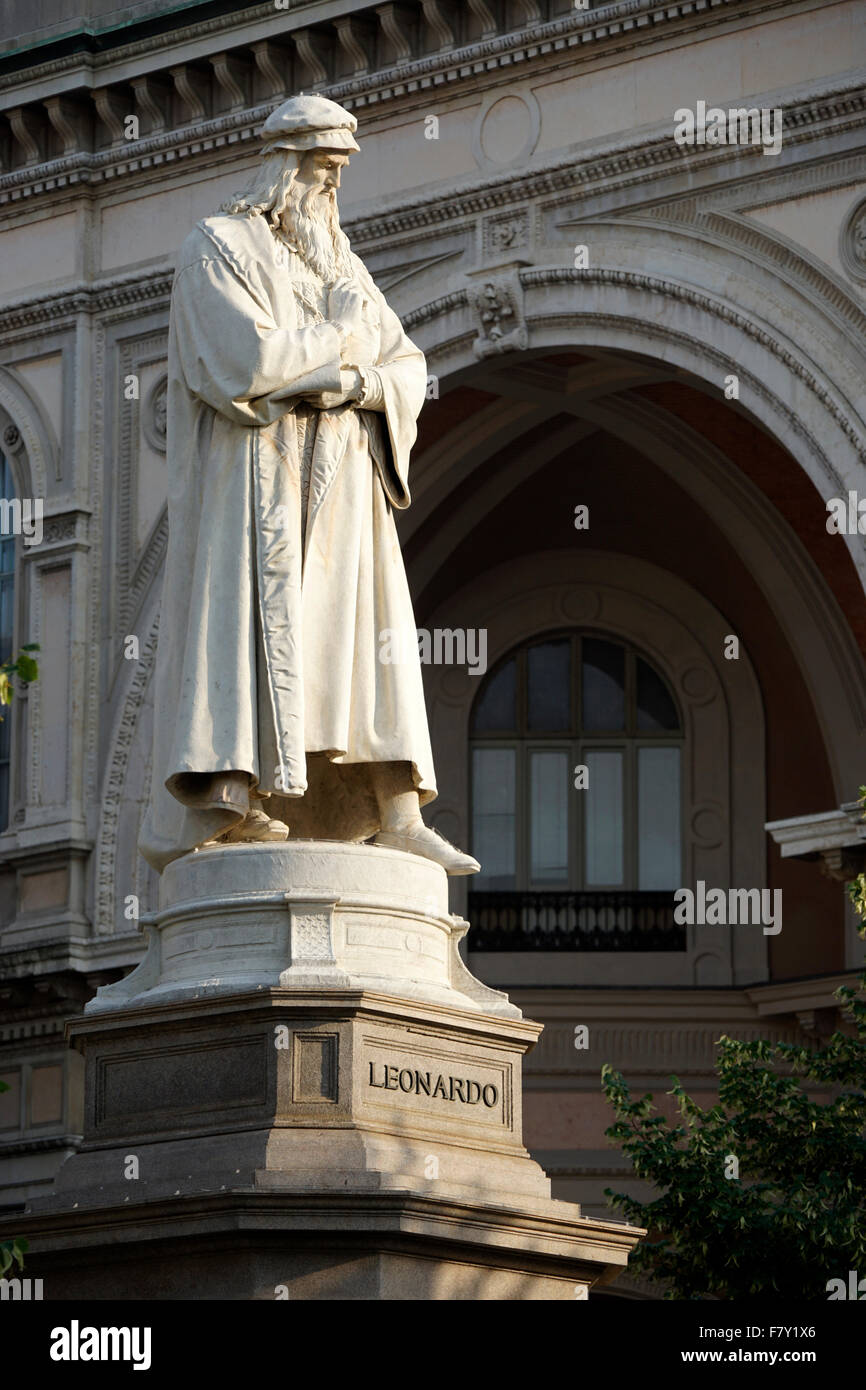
pixel 200 29
pixel 804 837
pixel 632 23
pixel 11 1148
pixel 648 1049
pixel 139 156
pixel 148 288
pixel 61 530
pixel 623 163
pixel 622 19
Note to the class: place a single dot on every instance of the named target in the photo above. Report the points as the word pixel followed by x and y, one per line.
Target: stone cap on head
pixel 309 123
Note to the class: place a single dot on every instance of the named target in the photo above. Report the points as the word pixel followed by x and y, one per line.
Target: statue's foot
pixel 420 839
pixel 255 826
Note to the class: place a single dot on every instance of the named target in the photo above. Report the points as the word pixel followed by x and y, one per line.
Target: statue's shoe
pixel 255 826
pixel 420 839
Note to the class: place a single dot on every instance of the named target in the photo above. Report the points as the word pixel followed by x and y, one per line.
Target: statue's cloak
pixel 269 645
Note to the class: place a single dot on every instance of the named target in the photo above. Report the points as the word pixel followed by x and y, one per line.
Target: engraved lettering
pixel 451 1088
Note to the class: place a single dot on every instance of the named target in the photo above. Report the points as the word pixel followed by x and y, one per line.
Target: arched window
pixel 576 747
pixel 7 623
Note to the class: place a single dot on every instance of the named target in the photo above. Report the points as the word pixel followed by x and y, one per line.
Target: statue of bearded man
pixel 292 399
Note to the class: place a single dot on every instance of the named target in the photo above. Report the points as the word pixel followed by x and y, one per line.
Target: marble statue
pixel 293 395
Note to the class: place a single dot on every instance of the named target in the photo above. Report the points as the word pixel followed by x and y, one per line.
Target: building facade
pixel 642 612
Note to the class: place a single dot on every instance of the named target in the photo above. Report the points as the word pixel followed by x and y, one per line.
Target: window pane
pixel 658 781
pixel 549 789
pixel 497 704
pixel 603 838
pixel 493 808
pixel 7 617
pixel 603 685
pixel 549 675
pixel 655 708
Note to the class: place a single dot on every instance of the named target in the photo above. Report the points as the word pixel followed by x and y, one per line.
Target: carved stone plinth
pixel 303 1092
pixel 312 913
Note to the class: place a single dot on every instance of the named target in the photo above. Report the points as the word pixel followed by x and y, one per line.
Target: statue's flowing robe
pixel 272 617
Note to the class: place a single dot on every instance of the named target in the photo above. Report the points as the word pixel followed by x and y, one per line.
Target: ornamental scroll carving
pixel 498 304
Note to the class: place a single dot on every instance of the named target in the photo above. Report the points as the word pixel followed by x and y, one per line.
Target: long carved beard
pixel 311 220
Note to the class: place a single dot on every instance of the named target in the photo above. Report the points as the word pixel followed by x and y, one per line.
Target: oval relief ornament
pixel 708 827
pixel 580 605
pixel 852 242
pixel 698 684
pixel 507 129
pixel 154 416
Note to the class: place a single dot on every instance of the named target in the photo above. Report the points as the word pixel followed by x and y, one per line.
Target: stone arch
pixel 791 358
pixel 802 602
pixel 37 436
pixel 682 634
pixel 29 445
pixel 801 375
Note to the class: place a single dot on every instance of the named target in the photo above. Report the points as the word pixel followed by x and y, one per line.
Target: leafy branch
pixel 24 667
pixel 764 1193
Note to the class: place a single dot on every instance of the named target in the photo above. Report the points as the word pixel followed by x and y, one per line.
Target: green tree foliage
pixel 24 667
pixel 794 1118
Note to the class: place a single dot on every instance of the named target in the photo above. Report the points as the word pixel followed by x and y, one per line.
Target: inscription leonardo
pixel 420 1083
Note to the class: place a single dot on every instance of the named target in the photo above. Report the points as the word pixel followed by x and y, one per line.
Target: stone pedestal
pixel 302 1092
